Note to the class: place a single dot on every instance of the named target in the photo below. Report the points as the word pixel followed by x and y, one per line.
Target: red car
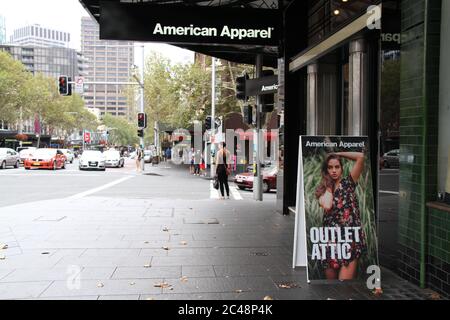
pixel 245 180
pixel 46 159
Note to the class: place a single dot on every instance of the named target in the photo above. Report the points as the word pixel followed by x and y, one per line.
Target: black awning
pixel 235 53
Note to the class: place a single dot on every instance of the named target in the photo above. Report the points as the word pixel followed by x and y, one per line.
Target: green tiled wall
pixel 419 106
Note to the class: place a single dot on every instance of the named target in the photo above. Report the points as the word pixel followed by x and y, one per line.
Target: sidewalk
pixel 116 247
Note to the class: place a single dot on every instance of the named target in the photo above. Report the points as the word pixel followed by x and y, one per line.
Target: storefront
pixel 369 68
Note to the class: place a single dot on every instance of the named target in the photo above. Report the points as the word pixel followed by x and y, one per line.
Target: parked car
pixel 391 159
pixel 245 180
pixel 46 159
pixel 92 159
pixel 69 155
pixel 9 157
pixel 114 159
pixel 148 156
pixel 25 153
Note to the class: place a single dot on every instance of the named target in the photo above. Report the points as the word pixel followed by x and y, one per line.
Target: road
pixel 165 181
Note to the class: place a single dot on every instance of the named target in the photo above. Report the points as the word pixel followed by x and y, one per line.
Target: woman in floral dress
pixel 337 197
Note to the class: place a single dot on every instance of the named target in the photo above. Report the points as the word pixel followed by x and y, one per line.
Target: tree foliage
pixel 21 92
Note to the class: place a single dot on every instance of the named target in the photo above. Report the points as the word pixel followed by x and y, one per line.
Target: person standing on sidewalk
pixel 197 162
pixel 223 169
pixel 138 157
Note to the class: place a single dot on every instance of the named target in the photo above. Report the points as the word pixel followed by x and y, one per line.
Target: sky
pixel 65 15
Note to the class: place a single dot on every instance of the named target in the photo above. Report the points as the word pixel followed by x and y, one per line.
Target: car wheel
pixel 266 187
pixel 17 166
pixel 3 165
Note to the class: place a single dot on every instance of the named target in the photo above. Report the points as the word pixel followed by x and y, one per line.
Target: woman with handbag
pixel 223 169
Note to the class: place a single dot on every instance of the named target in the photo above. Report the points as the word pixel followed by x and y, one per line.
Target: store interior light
pixel 336 12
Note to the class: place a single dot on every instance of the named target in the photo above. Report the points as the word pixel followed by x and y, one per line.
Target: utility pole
pixel 258 179
pixel 213 115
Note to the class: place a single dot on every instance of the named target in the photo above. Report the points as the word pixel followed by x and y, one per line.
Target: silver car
pixel 8 157
pixel 114 159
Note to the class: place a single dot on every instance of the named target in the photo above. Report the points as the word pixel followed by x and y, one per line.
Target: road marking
pixel 389 192
pixel 235 193
pixel 106 186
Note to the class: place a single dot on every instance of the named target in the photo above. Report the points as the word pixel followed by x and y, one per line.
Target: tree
pixel 121 132
pixel 14 85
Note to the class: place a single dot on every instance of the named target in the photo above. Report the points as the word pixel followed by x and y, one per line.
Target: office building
pixel 109 63
pixel 38 36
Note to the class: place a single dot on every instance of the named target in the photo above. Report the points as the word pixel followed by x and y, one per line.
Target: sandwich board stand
pixel 300 258
pixel 335 233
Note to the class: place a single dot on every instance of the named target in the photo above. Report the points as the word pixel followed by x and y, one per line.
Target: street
pixel 163 234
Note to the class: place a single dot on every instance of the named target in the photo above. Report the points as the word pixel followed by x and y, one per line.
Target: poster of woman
pixel 339 207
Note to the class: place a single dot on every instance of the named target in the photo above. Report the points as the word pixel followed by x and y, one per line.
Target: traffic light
pixel 63 85
pixel 268 102
pixel 248 114
pixel 142 120
pixel 140 133
pixel 69 86
pixel 240 87
pixel 208 122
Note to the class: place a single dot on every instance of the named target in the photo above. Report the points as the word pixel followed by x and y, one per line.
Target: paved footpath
pixel 117 243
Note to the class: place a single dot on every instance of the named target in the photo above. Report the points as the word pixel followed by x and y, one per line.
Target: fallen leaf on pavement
pixel 45 252
pixel 132 283
pixel 146 242
pixel 239 291
pixel 3 246
pixel 147 265
pixel 165 229
pixel 162 285
pixel 184 279
pixel 166 248
pixel 435 296
pixel 378 292
pixel 288 285
pixel 183 243
pixel 268 298
pixel 100 285
pixel 2 257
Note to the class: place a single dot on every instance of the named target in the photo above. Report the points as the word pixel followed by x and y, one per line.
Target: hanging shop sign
pixel 335 235
pixel 189 25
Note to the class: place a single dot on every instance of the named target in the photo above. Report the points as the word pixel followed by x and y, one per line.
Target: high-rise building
pixel 2 30
pixel 109 63
pixel 50 61
pixel 37 36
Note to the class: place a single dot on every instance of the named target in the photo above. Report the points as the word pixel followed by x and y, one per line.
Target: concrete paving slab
pixel 198 271
pixel 110 287
pixel 22 290
pixel 147 273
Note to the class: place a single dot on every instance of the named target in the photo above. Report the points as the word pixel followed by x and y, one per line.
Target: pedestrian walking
pixel 197 162
pixel 139 156
pixel 223 169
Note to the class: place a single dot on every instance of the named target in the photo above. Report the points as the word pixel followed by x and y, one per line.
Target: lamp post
pixel 213 114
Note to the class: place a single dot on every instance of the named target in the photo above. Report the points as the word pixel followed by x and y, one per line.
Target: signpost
pixel 79 85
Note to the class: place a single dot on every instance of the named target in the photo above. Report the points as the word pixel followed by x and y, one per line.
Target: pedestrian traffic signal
pixel 208 123
pixel 69 86
pixel 63 85
pixel 142 120
pixel 140 133
pixel 268 102
pixel 241 83
pixel 248 114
